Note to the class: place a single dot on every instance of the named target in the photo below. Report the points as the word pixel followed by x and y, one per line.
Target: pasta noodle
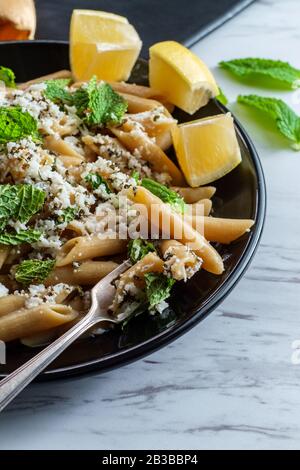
pixel 221 230
pixel 87 273
pixel 82 248
pixel 212 261
pixel 23 322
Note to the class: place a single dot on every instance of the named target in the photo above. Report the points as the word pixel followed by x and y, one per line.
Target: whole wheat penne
pixel 25 322
pixel 221 230
pixel 150 152
pixel 83 248
pixel 192 195
pixel 87 273
pixel 61 147
pixel 178 228
pixel 10 303
pixel 135 276
pixel 202 207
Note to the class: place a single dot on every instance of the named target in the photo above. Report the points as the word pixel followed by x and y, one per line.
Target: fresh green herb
pixel 31 201
pixel 287 121
pixel 19 202
pixel 8 77
pixel 96 180
pixel 158 288
pixel 139 248
pixel 33 270
pixel 99 104
pixel 17 238
pixel 56 91
pixel 16 124
pixel 68 215
pixel 136 176
pixel 221 97
pixel 165 194
pixel 9 203
pixel 253 68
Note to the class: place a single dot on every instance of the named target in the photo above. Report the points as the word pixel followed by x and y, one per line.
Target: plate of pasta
pixel 90 177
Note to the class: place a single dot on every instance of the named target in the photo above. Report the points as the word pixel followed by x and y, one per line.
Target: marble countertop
pixel 230 382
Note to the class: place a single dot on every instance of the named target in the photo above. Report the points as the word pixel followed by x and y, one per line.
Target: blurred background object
pixel 155 20
pixel 17 20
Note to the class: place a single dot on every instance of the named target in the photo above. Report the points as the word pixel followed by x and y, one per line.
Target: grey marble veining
pixel 230 382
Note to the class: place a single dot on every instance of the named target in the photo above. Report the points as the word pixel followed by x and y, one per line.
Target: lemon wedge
pixel 179 75
pixel 102 44
pixel 206 149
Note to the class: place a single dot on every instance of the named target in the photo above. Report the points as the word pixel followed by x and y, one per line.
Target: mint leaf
pixel 9 203
pixel 99 104
pixel 17 238
pixel 68 215
pixel 158 288
pixel 286 120
pixel 19 202
pixel 253 68
pixel 31 200
pixel 16 124
pixel 8 77
pixel 33 270
pixel 139 248
pixel 96 180
pixel 56 91
pixel 165 194
pixel 221 97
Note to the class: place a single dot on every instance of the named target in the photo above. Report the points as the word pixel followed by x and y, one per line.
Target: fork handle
pixel 14 383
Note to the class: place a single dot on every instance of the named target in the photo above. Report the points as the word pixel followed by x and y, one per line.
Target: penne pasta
pixel 202 207
pixel 87 273
pixel 83 248
pixel 61 147
pixel 10 303
pixel 163 214
pixel 25 322
pixel 192 195
pixel 150 152
pixel 134 277
pixel 221 230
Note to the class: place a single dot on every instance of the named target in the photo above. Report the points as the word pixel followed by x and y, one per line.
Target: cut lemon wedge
pixel 206 149
pixel 181 76
pixel 102 44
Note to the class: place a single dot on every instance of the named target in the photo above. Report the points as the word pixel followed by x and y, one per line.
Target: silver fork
pixel 101 298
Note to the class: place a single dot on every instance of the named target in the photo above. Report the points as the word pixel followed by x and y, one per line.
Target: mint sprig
pixel 254 68
pixel 33 270
pixel 16 124
pixel 286 120
pixel 165 194
pixel 99 104
pixel 57 91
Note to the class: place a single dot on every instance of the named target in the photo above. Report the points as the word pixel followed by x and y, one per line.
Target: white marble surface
pixel 229 383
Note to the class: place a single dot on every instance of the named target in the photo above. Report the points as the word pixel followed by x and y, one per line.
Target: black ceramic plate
pixel 241 194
